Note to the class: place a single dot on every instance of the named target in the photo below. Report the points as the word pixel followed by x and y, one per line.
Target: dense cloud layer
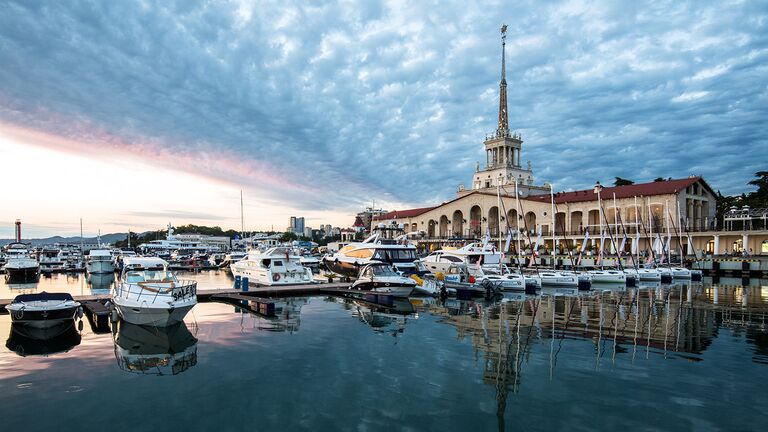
pixel 331 104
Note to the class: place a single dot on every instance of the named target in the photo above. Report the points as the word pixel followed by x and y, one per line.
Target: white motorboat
pixel 275 266
pixel 399 252
pixel 99 262
pixel 680 272
pixel 558 278
pixel 233 257
pixel 20 267
pixel 43 310
pixel 150 294
pixel 49 260
pixel 645 274
pixel 506 279
pixel 426 283
pixel 72 258
pixel 472 254
pixel 381 278
pixel 608 276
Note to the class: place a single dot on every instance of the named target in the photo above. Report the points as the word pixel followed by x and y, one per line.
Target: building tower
pixel 502 148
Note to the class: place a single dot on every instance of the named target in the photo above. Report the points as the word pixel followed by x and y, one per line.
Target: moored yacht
pixel 148 293
pixel 99 262
pixel 398 252
pixel 49 260
pixel 381 278
pixel 275 266
pixel 20 266
pixel 680 272
pixel 507 280
pixel 43 310
pixel 471 254
pixel 558 278
pixel 608 276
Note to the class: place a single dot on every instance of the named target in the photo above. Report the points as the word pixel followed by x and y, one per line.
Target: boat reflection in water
pixel 387 317
pixel 155 350
pixel 33 341
pixel 286 317
pixel 101 283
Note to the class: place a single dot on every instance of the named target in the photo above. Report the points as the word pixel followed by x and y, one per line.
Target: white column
pixel 745 241
pixel 717 244
pixel 690 246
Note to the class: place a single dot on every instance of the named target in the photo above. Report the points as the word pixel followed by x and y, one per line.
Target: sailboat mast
pixel 498 226
pixel 552 202
pixel 669 235
pixel 637 233
pixel 517 222
pixel 242 218
pixel 81 235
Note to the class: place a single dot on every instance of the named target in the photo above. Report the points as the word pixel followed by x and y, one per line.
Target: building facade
pixel 504 201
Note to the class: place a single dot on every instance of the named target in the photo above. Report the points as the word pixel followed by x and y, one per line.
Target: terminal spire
pixel 503 129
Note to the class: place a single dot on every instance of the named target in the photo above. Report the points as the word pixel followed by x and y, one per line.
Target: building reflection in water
pixel 665 321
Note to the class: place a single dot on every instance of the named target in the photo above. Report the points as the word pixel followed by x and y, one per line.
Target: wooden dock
pixel 205 296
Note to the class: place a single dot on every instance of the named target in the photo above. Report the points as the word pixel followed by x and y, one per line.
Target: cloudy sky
pixel 133 114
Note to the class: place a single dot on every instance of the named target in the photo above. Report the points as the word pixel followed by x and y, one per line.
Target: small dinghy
pixel 43 310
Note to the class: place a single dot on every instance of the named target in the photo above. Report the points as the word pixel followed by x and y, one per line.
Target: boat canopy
pixel 27 298
pixel 144 262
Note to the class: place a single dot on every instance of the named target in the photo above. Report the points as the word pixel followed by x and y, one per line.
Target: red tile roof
pixel 358 222
pixel 403 213
pixel 641 189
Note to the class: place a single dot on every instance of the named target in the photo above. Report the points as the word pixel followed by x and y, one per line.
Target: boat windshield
pixel 150 276
pixel 381 270
pixel 395 254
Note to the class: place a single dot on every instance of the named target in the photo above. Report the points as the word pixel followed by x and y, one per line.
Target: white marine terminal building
pixel 684 208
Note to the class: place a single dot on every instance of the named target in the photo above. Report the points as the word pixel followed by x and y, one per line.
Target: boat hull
pixel 100 267
pixel 267 278
pixel 21 274
pixel 393 289
pixel 42 318
pixel 149 316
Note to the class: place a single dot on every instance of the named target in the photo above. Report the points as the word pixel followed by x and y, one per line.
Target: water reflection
pixel 388 318
pixel 101 283
pixel 622 324
pixel 31 341
pixel 155 350
pixel 286 317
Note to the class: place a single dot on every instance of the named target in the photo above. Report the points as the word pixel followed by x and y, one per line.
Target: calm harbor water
pixel 681 357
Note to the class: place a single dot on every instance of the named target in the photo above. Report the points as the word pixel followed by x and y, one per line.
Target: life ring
pixel 275 277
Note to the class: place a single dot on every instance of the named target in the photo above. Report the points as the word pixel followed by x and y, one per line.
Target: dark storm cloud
pixel 393 100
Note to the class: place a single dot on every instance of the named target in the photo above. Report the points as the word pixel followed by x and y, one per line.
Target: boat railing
pixel 142 288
